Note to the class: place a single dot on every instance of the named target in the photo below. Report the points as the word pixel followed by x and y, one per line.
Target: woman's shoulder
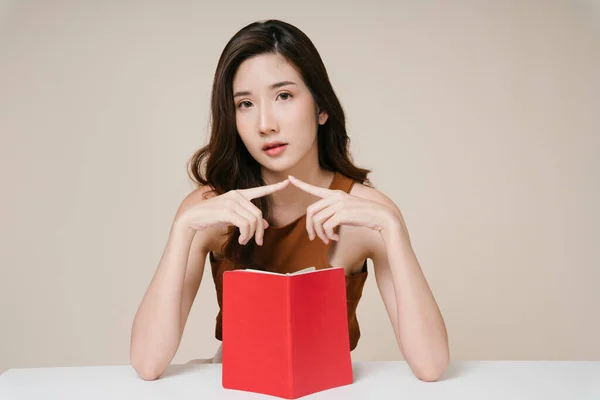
pixel 192 199
pixel 196 196
pixel 370 193
pixel 200 193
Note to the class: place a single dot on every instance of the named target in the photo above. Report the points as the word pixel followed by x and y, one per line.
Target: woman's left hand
pixel 337 207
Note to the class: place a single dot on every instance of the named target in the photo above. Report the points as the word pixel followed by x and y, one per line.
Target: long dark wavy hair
pixel 224 163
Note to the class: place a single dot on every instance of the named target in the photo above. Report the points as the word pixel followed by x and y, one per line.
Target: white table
pixel 546 380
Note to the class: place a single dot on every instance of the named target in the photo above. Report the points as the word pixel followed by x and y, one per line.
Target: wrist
pixel 393 230
pixel 181 227
pixel 391 224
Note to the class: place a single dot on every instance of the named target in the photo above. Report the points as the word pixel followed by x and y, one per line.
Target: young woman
pixel 277 190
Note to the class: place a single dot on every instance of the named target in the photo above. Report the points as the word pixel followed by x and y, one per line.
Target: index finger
pixel 261 191
pixel 314 190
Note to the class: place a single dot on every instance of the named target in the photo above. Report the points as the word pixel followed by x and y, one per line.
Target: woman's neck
pixel 291 203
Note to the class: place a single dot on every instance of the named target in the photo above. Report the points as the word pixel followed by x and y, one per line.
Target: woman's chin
pixel 278 165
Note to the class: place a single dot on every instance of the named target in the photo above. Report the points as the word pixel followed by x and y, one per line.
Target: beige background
pixel 480 119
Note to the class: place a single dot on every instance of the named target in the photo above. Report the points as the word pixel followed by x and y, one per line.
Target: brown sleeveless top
pixel 288 249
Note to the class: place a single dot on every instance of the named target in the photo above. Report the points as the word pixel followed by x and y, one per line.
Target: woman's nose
pixel 268 122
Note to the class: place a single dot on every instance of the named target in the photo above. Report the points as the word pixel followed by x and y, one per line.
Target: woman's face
pixel 274 106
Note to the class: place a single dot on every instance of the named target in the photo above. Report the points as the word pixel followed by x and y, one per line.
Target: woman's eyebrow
pixel 273 86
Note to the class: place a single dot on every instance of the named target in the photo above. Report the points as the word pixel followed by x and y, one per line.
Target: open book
pixel 285 335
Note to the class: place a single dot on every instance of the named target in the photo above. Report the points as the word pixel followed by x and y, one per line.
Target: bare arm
pixel 161 317
pixel 160 320
pixel 416 319
pixel 418 324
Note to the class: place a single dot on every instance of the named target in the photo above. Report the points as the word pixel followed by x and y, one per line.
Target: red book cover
pixel 285 335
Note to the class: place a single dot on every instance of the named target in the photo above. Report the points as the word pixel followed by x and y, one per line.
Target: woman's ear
pixel 323 117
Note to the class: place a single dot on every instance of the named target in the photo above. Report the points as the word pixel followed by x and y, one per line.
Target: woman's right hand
pixel 233 208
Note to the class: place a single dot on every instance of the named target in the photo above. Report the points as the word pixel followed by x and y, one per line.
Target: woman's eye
pixel 244 104
pixel 285 95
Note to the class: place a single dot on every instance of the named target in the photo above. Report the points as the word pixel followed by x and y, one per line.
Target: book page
pixel 257 270
pixel 302 271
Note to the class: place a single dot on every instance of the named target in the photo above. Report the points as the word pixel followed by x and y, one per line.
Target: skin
pixel 273 104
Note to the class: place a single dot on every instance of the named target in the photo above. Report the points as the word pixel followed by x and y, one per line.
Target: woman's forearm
pixel 422 332
pixel 156 330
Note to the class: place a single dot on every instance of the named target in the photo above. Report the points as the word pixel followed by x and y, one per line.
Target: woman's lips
pixel 277 150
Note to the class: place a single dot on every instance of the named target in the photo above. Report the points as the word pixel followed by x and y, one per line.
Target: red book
pixel 285 335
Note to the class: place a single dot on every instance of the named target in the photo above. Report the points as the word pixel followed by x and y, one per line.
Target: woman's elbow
pixel 432 372
pixel 147 372
pixel 429 376
pixel 147 369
